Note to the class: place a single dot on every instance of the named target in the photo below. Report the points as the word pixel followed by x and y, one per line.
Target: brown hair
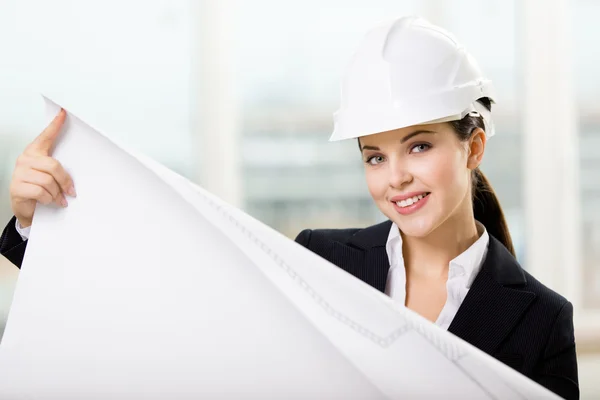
pixel 486 206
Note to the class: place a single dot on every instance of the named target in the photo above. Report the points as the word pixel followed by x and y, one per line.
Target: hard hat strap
pixel 487 119
pixel 476 109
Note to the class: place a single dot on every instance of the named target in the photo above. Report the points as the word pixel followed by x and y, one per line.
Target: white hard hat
pixel 408 72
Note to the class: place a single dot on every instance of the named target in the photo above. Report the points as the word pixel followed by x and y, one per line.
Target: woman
pixel 421 112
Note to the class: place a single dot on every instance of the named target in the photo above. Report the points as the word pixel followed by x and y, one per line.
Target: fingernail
pixel 63 202
pixel 71 191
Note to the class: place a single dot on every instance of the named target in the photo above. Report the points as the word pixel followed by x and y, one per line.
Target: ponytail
pixel 487 210
pixel 486 207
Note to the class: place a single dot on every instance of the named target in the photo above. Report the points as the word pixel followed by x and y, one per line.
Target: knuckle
pixel 18 176
pixel 14 186
pixel 22 160
pixel 47 180
pixel 39 193
pixel 54 166
pixel 12 190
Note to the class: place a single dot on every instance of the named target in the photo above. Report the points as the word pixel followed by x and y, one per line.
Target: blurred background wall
pixel 238 96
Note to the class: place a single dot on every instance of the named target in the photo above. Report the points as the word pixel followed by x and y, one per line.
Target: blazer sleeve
pixel 558 369
pixel 12 245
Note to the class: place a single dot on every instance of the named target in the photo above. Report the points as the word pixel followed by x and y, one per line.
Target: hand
pixel 38 177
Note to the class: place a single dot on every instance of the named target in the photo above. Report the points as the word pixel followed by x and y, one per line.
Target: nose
pixel 399 173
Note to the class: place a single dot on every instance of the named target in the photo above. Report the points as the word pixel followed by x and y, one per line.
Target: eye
pixel 374 160
pixel 419 148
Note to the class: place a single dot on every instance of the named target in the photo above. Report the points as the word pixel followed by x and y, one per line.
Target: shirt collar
pixel 469 261
pixel 472 259
pixel 393 246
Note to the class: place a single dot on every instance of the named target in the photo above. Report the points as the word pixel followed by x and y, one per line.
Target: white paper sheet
pixel 148 287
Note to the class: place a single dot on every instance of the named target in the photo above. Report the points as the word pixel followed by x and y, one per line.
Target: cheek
pixel 447 175
pixel 376 182
pixel 444 174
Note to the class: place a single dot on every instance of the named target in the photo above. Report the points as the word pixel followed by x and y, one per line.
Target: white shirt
pixel 24 232
pixel 463 270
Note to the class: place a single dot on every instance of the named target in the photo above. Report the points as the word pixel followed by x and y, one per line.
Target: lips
pixel 411 202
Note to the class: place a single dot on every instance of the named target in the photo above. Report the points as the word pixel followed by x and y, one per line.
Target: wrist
pixel 23 223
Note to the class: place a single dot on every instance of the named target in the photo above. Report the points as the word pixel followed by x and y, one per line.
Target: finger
pixel 42 145
pixel 51 166
pixel 28 191
pixel 42 179
pixel 46 181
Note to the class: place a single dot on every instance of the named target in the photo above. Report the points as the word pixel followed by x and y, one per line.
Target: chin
pixel 415 226
pixel 418 225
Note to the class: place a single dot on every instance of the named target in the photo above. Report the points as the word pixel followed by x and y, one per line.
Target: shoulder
pixel 550 313
pixel 320 241
pixel 549 303
pixel 539 319
pixel 551 319
pixel 543 292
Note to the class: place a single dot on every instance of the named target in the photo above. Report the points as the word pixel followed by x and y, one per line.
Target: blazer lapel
pixel 496 300
pixel 493 305
pixel 365 256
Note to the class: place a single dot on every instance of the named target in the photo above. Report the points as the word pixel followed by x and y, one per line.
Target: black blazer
pixel 12 245
pixel 507 313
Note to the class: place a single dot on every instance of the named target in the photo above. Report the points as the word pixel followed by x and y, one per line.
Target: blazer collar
pixel 494 304
pixel 499 263
pixel 373 236
pixel 502 266
pixel 364 255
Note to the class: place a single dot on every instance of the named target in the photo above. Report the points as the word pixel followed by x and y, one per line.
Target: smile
pixel 412 200
pixel 411 204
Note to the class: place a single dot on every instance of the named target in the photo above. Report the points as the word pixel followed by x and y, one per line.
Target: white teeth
pixel 410 201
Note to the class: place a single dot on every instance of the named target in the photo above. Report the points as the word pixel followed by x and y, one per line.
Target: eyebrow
pixel 404 139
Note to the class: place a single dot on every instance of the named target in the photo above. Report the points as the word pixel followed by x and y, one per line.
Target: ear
pixel 476 148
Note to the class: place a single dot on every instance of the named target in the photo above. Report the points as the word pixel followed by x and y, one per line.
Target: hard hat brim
pixel 352 124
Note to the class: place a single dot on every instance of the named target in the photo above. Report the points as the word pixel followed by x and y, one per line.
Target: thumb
pixel 42 145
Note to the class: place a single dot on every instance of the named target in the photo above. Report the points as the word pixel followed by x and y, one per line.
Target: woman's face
pixel 419 176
